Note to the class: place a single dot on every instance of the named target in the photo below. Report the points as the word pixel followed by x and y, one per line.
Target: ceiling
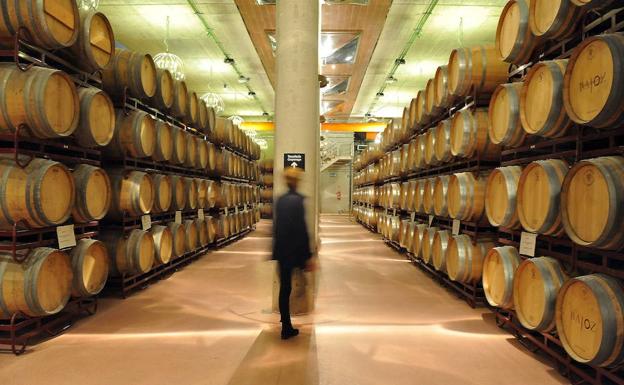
pixel 382 28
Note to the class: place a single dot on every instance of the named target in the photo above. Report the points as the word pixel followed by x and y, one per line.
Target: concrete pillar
pixel 297 108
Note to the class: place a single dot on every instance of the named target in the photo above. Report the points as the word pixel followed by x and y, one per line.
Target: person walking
pixel 291 244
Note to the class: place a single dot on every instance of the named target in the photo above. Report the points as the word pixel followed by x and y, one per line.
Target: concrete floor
pixel 379 320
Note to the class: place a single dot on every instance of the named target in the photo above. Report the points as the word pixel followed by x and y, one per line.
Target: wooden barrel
pixel 411 195
pixel 96 126
pixel 404 155
pixel 192 109
pixel 439 247
pixel 211 229
pixel 440 189
pixel 421 146
pixel 202 232
pixel 51 24
pixel 42 194
pixel 466 196
pixel 163 149
pixel 426 246
pixel 470 136
pixel 409 236
pixel 539 194
pixel 589 320
pixel 505 126
pixel 442 97
pixel 411 158
pixel 403 195
pixel 179 196
pixel 394 195
pixel 514 40
pixel 93 193
pixel 593 82
pixel 163 191
pixel 541 100
pixel 464 259
pixel 211 167
pixel 266 210
pixel 419 195
pixel 405 127
pixel 41 88
pixel 430 144
pixel 178 138
pixel 597 4
pixel 180 99
pixel 422 117
pixel 428 197
pixel 163 97
pixel 223 229
pixel 430 104
pixel 135 135
pixel 202 117
pixel 553 20
pixel 403 231
pixel 591 203
pixel 191 233
pixel 163 244
pixel 38 287
pixel 442 148
pixel 212 193
pixel 95 47
pixel 190 188
pixel 232 223
pixel 499 267
pixel 202 192
pixel 201 159
pixel 500 197
pixel 133 193
pixel 211 121
pixel 130 254
pixel 191 151
pixel 90 265
pixel 477 69
pixel 536 284
pixel 178 235
pixel 132 72
pixel 413 122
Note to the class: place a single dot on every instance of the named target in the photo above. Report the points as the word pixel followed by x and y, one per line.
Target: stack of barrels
pixel 266 188
pixel 40 194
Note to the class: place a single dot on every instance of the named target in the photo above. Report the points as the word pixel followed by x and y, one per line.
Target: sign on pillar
pixel 295 161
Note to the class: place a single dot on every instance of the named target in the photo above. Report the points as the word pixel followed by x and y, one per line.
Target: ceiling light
pixel 237 120
pixel 379 94
pixel 88 5
pixel 251 93
pixel 391 79
pixel 243 79
pixel 399 61
pixel 215 101
pixel 168 61
pixel 229 60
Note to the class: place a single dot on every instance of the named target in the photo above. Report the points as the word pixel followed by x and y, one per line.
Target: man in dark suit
pixel 291 243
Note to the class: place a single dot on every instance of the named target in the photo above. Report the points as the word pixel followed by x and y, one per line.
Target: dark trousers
pixel 284 294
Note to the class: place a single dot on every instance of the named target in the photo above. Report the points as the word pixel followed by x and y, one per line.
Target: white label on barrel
pixel 236 210
pixel 245 207
pixel 430 220
pixel 178 217
pixel 146 222
pixel 394 212
pixel 527 244
pixel 200 214
pixel 225 211
pixel 413 216
pixel 456 224
pixel 66 236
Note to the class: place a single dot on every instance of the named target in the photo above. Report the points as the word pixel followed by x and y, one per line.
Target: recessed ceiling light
pixel 391 79
pixel 243 79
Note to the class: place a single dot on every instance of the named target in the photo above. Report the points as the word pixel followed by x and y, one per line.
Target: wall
pixel 333 180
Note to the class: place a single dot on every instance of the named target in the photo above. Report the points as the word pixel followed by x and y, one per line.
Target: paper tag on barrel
pixel 146 222
pixel 66 236
pixel 456 224
pixel 430 220
pixel 527 244
pixel 394 212
pixel 236 210
pixel 225 208
pixel 412 216
pixel 245 207
pixel 178 217
pixel 200 214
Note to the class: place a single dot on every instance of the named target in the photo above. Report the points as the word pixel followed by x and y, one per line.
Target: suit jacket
pixel 291 243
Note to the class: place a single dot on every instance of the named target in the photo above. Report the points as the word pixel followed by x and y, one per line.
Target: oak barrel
pixel 179 239
pixel 598 4
pixel 163 97
pixel 593 85
pixel 180 99
pixel 477 69
pixel 39 286
pixel 440 190
pixel 428 195
pixel 51 24
pixel 179 197
pixel 426 246
pixel 500 197
pixel 442 147
pixel 191 150
pixel 163 244
pixel 413 123
pixel 541 100
pixel 430 145
pixel 505 125
pixel 96 126
pixel 163 150
pixel 514 40
pixel 191 234
pixel 211 228
pixel 163 193
pixel 470 135
pixel 422 116
pixel 135 135
pixel 591 203
pixel 464 259
pixel 421 146
pixel 42 194
pixel 192 109
pixel 132 72
pixel 539 194
pixel 43 99
pixel 133 194
pixel 95 47
pixel 93 193
pixel 201 158
pixel 499 267
pixel 536 284
pixel 90 265
pixel 466 196
pixel 130 254
pixel 178 137
pixel 202 232
pixel 212 193
pixel 190 188
pixel 441 95
pixel 554 20
pixel 590 319
pixel 439 247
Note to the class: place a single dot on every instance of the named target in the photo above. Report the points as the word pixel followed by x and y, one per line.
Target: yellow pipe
pixel 343 127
